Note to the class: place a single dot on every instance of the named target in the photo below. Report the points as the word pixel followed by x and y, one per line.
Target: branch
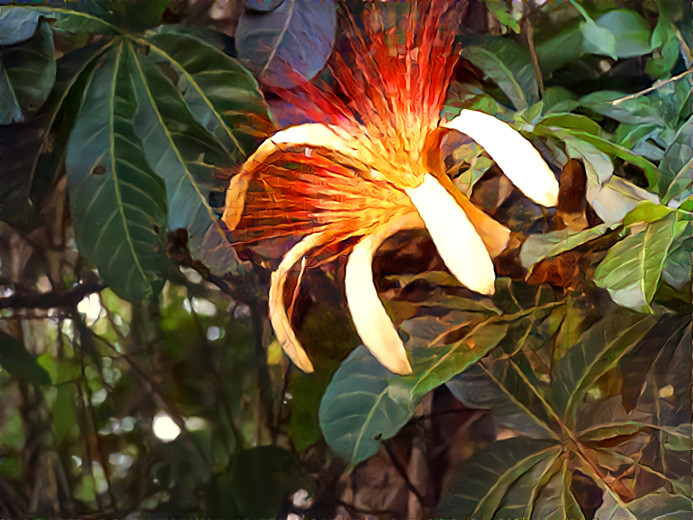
pixel 23 299
pixel 654 87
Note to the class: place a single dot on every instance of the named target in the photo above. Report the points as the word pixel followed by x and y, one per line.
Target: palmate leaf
pixel 659 505
pixel 177 148
pixel 219 93
pixel 611 438
pixel 117 203
pixel 598 351
pixel 632 269
pixel 28 73
pixel 37 146
pixel 488 475
pixel 676 166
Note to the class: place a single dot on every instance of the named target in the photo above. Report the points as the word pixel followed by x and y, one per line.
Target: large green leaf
pixel 17 25
pixel 435 366
pixel 632 269
pixel 621 33
pixel 17 361
pixel 658 505
pixel 118 204
pixel 554 497
pixel 37 146
pixel 598 351
pixel 548 245
pixel 364 404
pixel 678 268
pixel 220 94
pixel 103 16
pixel 289 44
pixel 488 475
pixel 676 180
pixel 29 70
pixel 508 65
pixel 498 387
pixel 177 148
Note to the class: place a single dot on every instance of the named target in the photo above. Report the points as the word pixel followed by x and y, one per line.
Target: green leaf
pixel 435 366
pixel 620 33
pixel 117 203
pixel 28 178
pixel 10 110
pixel 17 25
pixel 663 42
pixel 30 69
pixel 562 47
pixel 548 245
pixel 99 16
pixel 679 264
pixel 597 39
pixel 630 30
pixel 659 505
pixel 508 66
pixel 646 211
pixel 288 45
pixel 505 14
pixel 471 97
pixel 641 110
pixel 220 94
pixel 177 148
pixel 601 433
pixel 487 475
pixel 676 166
pixel 598 351
pixel 363 404
pixel 555 498
pixel 19 363
pixel 572 121
pixel 496 386
pixel 632 268
pixel 523 492
pixel 601 144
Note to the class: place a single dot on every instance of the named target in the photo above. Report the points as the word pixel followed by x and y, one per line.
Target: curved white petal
pixel 370 318
pixel 516 156
pixel 309 134
pixel 277 309
pixel 458 243
pixel 494 234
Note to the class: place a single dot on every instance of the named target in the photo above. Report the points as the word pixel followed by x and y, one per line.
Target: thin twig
pixel 403 473
pixel 654 87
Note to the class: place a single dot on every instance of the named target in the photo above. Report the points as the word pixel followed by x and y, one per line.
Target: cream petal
pixel 458 243
pixel 516 156
pixel 309 134
pixel 494 234
pixel 370 318
pixel 277 309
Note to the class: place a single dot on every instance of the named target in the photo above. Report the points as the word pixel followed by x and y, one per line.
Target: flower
pixel 361 174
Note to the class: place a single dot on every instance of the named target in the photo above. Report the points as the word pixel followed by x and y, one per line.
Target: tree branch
pixel 24 299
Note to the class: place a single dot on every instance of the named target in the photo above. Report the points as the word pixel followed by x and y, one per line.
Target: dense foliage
pixel 565 395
